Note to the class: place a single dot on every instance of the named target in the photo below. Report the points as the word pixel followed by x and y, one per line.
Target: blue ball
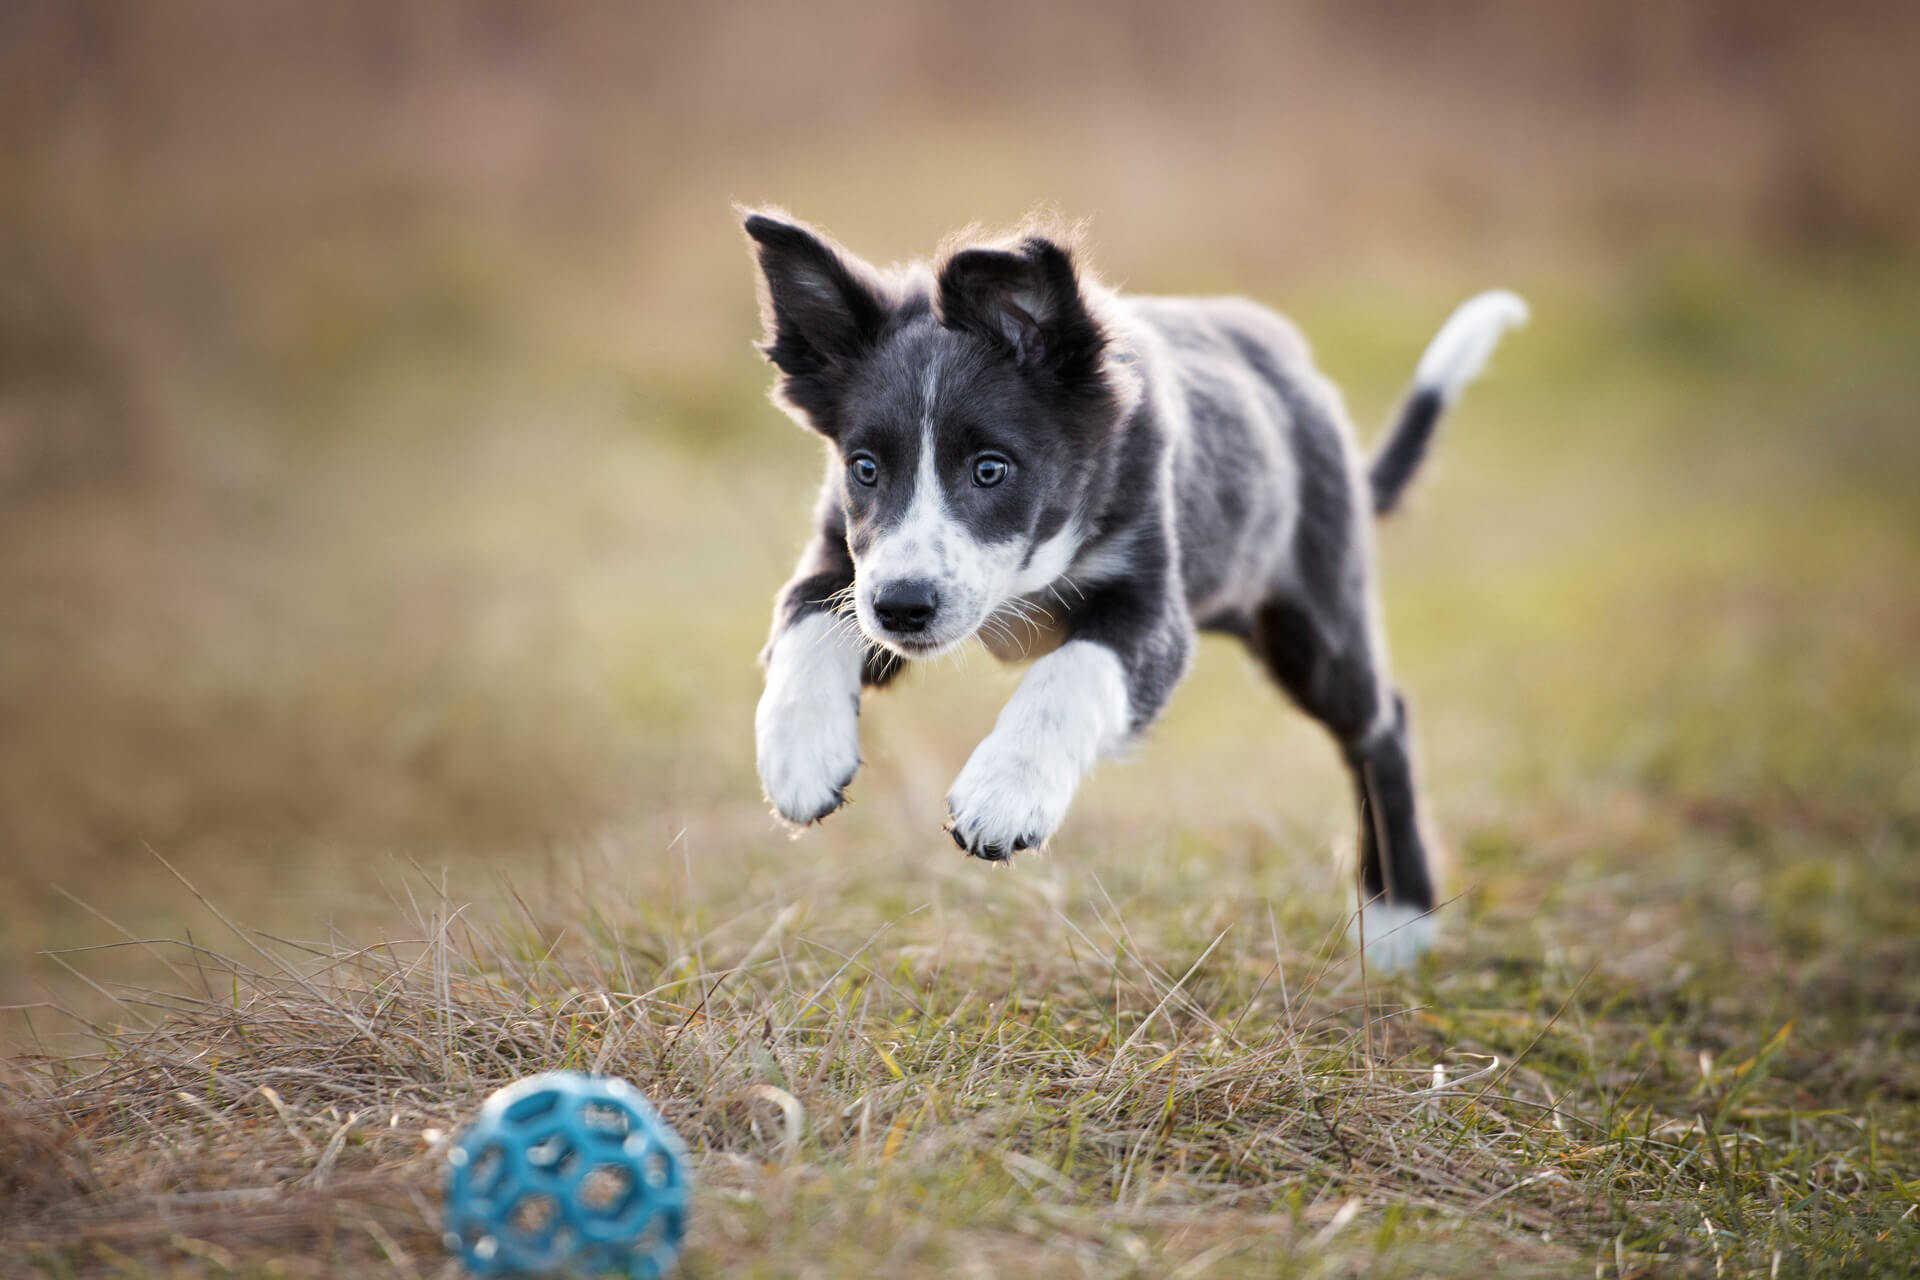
pixel 566 1173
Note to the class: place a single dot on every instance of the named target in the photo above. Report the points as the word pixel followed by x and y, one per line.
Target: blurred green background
pixel 387 481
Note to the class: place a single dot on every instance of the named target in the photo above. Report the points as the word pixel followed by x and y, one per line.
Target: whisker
pixel 1005 634
pixel 1030 614
pixel 1001 634
pixel 845 626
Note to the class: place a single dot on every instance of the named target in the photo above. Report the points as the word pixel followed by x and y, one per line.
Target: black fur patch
pixel 823 310
pixel 1395 464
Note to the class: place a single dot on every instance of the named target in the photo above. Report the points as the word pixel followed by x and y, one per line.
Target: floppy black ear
pixel 1027 301
pixel 823 309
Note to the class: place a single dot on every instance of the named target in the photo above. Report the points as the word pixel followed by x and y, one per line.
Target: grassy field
pixel 435 770
pixel 390 511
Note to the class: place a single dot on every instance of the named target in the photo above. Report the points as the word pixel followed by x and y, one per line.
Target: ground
pixel 432 767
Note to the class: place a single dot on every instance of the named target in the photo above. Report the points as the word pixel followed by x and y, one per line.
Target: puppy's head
pixel 965 403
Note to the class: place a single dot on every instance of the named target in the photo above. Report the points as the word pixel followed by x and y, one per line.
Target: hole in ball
pixel 534 1215
pixel 606 1189
pixel 548 1154
pixel 488 1169
pixel 606 1120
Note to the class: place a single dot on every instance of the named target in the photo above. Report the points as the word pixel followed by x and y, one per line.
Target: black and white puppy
pixel 1020 455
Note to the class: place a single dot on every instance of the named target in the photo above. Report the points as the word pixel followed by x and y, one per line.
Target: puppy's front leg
pixel 1072 708
pixel 807 727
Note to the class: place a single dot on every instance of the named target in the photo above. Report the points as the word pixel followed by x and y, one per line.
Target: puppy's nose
pixel 906 606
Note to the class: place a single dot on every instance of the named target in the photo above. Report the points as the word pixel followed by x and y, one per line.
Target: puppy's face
pixel 964 410
pixel 952 480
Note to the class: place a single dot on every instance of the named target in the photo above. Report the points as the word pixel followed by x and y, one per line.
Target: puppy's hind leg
pixel 1332 668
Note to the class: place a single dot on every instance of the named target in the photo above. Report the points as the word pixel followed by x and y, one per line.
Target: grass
pixel 1119 1090
pixel 413 762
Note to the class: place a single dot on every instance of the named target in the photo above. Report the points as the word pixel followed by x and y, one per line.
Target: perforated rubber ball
pixel 566 1174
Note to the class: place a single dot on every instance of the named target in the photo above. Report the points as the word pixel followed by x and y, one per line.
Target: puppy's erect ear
pixel 823 309
pixel 1026 300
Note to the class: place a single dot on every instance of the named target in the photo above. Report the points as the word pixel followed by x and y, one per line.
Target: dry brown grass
pixel 1097 1099
pixel 1023 1073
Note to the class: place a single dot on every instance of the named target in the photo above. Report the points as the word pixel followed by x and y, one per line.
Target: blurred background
pixel 387 485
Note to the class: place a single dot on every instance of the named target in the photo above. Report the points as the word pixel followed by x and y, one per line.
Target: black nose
pixel 907 606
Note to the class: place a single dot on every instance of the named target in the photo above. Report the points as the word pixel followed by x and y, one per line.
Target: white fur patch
pixel 1071 709
pixel 1049 560
pixel 1460 350
pixel 807 727
pixel 1397 936
pixel 1110 560
pixel 1028 622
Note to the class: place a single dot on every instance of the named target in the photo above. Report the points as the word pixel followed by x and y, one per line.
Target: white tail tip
pixel 1460 350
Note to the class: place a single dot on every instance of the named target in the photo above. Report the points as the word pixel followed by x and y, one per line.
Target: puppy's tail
pixel 1452 360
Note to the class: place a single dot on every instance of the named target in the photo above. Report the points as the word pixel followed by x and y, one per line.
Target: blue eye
pixel 990 469
pixel 864 469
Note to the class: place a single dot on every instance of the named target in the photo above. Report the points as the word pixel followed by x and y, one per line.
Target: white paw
pixel 1070 709
pixel 1397 936
pixel 807 756
pixel 807 727
pixel 1008 799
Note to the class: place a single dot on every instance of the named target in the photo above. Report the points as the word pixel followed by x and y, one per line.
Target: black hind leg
pixel 1390 816
pixel 1331 668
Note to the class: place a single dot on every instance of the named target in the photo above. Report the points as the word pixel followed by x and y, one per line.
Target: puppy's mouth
pixel 917 645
